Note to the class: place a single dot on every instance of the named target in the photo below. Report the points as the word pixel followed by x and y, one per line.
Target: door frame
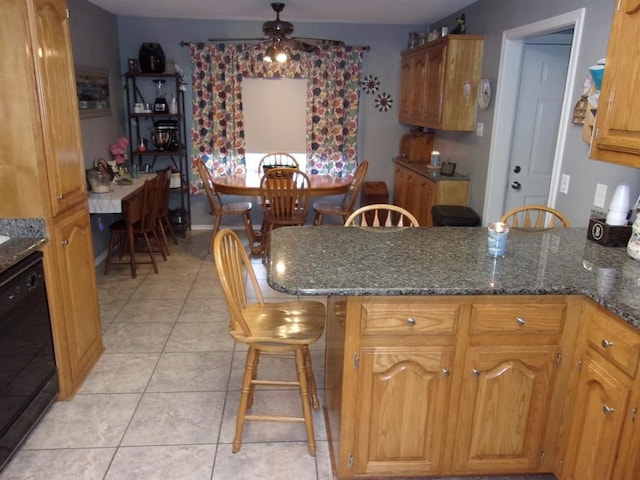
pixel 513 43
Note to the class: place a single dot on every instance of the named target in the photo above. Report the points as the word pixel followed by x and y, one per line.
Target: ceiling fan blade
pixel 237 40
pixel 319 42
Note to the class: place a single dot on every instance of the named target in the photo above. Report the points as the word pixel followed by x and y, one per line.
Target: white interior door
pixel 539 106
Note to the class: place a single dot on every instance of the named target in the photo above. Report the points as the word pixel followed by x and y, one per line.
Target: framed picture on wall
pixel 92 85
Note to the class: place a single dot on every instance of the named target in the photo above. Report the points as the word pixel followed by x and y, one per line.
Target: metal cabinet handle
pixel 606 343
pixel 60 197
pixel 445 372
pixel 65 243
pixel 516 185
pixel 476 372
pixel 411 321
pixel 521 321
pixel 608 410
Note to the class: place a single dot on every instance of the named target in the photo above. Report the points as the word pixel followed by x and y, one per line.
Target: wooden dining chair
pixel 218 209
pixel 535 216
pixel 381 215
pixel 272 328
pixel 286 196
pixel 345 208
pixel 144 227
pixel 277 159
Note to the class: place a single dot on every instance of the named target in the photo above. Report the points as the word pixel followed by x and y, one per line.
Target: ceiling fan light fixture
pixel 277 52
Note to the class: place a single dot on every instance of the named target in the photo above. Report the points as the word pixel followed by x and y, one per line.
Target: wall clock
pixel 484 94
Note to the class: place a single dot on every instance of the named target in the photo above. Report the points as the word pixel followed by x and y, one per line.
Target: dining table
pixel 248 184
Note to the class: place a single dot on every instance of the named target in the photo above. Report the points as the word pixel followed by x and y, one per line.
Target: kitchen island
pixel 443 361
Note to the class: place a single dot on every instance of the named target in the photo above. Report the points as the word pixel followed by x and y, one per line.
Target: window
pixel 275 112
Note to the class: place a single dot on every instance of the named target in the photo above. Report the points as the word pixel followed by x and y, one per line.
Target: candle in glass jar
pixel 435 158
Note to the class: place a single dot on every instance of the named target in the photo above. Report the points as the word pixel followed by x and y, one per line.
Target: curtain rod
pixel 186 43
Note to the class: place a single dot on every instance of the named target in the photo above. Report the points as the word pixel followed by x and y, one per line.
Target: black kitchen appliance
pixel 28 375
pixel 151 58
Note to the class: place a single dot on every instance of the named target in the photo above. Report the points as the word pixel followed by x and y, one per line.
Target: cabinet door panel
pixel 59 106
pixel 617 132
pixel 505 402
pixel 597 423
pixel 435 86
pixel 72 290
pixel 403 397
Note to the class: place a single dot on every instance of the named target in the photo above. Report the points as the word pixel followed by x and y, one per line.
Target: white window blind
pixel 275 113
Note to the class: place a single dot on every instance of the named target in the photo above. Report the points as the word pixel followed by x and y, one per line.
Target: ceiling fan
pixel 278 33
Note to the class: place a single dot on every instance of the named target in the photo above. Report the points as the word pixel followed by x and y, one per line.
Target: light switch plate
pixel 564 184
pixel 601 195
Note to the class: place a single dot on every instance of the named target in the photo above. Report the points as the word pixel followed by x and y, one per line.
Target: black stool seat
pixel 454 216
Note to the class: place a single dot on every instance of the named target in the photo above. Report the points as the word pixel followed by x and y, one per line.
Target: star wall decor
pixel 384 102
pixel 370 84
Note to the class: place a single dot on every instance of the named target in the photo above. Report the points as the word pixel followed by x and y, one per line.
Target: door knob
pixel 516 169
pixel 516 185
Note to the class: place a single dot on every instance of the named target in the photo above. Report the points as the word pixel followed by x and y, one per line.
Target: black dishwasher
pixel 28 376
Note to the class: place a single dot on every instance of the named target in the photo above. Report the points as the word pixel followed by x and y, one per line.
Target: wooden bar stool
pixel 281 328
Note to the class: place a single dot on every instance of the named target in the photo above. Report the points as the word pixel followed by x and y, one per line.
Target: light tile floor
pixel 161 402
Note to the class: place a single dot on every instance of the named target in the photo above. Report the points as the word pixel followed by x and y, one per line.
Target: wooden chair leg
pixel 112 244
pixel 244 397
pixel 304 396
pixel 149 249
pixel 163 237
pixel 167 223
pixel 253 379
pixel 311 379
pixel 318 219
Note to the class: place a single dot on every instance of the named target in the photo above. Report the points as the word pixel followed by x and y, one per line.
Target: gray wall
pixel 491 18
pixel 94 34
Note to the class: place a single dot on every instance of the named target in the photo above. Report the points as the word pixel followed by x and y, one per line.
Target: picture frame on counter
pixel 92 85
pixel 448 169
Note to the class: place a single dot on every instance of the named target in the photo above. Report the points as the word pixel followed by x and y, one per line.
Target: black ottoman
pixel 454 216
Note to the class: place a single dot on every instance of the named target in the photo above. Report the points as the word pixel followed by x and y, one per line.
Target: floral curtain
pixel 332 104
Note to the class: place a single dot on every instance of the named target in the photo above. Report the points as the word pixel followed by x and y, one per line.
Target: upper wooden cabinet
pixel 439 81
pixel 616 136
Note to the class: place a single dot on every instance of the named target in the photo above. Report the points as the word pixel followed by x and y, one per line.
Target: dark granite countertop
pixel 424 170
pixel 26 235
pixel 334 260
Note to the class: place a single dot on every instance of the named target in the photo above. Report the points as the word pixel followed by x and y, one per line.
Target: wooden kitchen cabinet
pixel 77 334
pixel 616 136
pixel 438 83
pixel 505 400
pixel 44 174
pixel 444 385
pixel 508 378
pixel 404 395
pixel 604 434
pixel 418 192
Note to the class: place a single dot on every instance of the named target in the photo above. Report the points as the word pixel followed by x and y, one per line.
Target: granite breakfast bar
pixel 443 361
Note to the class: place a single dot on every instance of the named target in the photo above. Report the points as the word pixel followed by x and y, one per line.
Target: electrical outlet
pixel 480 129
pixel 601 195
pixel 564 184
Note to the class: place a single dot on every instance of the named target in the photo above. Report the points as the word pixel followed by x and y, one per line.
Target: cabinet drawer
pixel 405 319
pixel 617 342
pixel 517 318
